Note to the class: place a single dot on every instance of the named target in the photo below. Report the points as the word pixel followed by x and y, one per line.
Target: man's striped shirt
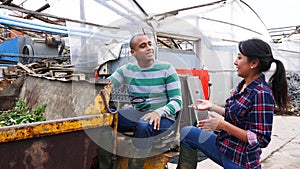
pixel 158 84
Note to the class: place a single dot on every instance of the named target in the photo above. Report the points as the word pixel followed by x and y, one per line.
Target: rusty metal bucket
pixel 51 144
pixel 63 140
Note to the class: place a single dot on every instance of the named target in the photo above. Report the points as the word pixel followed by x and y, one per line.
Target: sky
pixel 274 13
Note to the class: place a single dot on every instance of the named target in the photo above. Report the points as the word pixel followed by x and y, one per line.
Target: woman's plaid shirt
pixel 251 110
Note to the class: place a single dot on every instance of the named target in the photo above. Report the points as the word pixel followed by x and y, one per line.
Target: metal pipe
pixel 38 10
pixel 53 16
pixel 129 10
pixel 50 28
pixel 140 7
pixel 7 2
pixel 102 2
pixel 18 8
pixel 23 21
pixel 174 12
pixel 40 28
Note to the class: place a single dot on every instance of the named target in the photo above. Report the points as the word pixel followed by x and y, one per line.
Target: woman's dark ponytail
pixel 259 49
pixel 278 84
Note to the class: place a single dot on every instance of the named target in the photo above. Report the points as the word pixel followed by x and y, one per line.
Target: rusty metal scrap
pixel 293 80
pixel 45 69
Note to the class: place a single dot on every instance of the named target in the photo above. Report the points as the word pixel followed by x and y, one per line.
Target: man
pixel 158 83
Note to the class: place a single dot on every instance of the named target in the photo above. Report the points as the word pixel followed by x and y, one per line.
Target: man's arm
pixel 117 77
pixel 173 90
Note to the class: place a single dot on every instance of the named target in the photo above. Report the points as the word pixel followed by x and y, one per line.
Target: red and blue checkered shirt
pixel 251 110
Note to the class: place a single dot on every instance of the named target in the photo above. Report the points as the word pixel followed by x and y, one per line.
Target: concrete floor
pixel 282 153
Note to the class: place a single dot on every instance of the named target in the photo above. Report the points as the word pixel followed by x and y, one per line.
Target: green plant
pixel 20 114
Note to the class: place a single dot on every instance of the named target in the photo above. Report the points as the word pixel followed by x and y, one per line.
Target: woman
pixel 248 114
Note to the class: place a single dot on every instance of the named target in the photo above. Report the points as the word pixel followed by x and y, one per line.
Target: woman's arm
pixel 216 123
pixel 206 105
pixel 218 109
pixel 233 130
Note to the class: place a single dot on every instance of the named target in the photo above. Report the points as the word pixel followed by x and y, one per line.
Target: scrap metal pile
pixel 12 78
pixel 294 91
pixel 51 70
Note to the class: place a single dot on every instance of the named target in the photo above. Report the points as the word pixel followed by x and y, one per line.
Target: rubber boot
pixel 138 159
pixel 105 149
pixel 136 163
pixel 105 158
pixel 187 158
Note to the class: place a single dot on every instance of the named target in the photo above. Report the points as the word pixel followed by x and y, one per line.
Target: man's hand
pixel 153 117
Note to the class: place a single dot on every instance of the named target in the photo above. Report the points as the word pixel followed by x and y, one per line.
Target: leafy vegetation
pixel 20 114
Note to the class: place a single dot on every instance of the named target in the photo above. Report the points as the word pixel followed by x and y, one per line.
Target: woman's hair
pixel 259 49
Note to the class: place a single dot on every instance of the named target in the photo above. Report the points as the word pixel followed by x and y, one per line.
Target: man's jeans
pixel 144 132
pixel 196 138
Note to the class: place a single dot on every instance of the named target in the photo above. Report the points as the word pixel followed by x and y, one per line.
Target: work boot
pixel 187 158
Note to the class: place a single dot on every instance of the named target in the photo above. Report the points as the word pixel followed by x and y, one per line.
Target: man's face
pixel 143 50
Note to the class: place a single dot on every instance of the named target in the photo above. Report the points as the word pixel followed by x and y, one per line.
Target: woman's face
pixel 243 65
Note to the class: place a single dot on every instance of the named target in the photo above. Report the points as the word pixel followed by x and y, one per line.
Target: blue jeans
pixel 129 119
pixel 198 139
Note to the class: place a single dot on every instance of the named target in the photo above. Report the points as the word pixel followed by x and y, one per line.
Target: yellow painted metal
pixel 99 105
pixel 52 127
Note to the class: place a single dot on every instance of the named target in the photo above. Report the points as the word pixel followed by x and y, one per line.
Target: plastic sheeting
pixel 216 29
pixel 87 52
pixel 219 26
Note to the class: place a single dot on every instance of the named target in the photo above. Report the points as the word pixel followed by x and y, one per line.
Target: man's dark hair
pixel 131 42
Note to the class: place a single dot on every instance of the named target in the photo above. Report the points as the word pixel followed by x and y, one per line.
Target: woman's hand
pixel 204 105
pixel 211 124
